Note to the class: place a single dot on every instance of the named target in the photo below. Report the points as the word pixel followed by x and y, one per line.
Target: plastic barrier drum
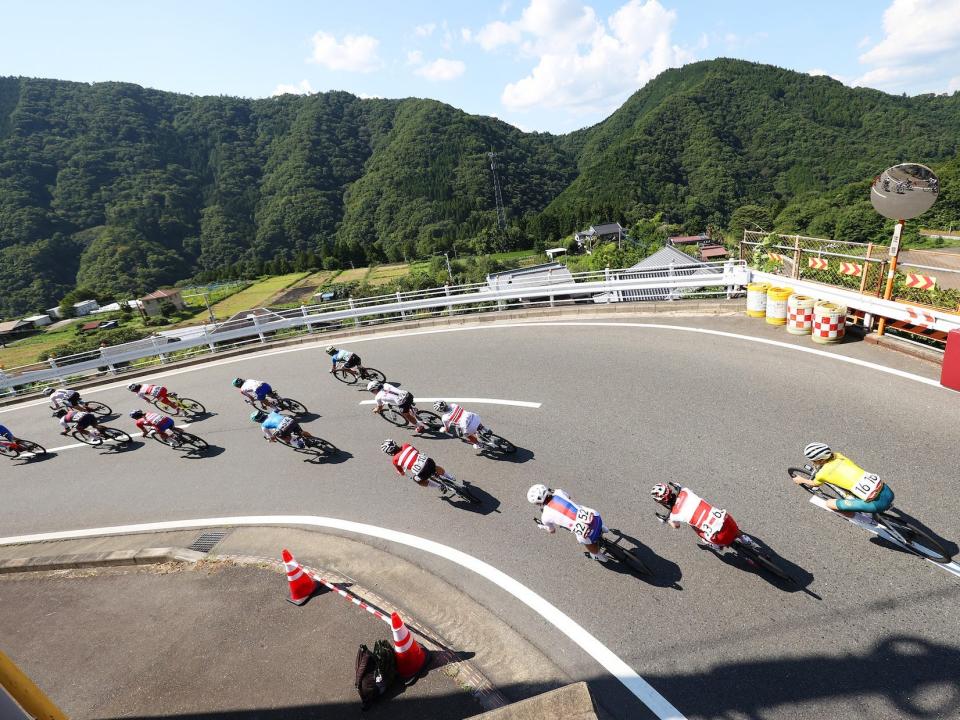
pixel 757 299
pixel 777 305
pixel 800 314
pixel 829 322
pixel 950 375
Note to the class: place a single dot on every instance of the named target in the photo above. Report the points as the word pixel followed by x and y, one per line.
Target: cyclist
pixel 254 390
pixel 716 528
pixel 408 458
pixel 63 398
pixel 559 510
pixel 154 392
pixel 276 426
pixel 80 419
pixel 871 494
pixel 151 422
pixel 5 433
pixel 467 422
pixel 348 361
pixel 387 394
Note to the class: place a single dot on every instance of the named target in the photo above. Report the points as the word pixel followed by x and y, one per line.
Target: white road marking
pixel 563 622
pixel 953 568
pixel 477 401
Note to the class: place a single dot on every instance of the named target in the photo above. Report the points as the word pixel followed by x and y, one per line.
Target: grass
pixel 27 350
pixel 256 295
pixel 353 275
pixel 385 274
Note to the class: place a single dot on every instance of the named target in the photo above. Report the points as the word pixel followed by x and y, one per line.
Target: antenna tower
pixel 501 213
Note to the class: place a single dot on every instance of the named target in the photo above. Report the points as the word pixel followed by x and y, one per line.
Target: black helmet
pixel 136 414
pixel 60 412
pixel 133 387
pixel 258 416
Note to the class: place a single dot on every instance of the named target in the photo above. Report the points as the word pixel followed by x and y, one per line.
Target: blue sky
pixel 548 65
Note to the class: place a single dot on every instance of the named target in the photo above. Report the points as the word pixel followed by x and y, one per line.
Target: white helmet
pixel 537 494
pixel 374 385
pixel 440 406
pixel 818 451
pixel 389 447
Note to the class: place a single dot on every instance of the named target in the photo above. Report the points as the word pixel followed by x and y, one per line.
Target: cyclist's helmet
pixel 537 494
pixel 133 387
pixel 374 386
pixel 663 494
pixel 440 406
pixel 48 391
pixel 136 414
pixel 258 416
pixel 818 451
pixel 60 413
pixel 331 350
pixel 237 382
pixel 389 447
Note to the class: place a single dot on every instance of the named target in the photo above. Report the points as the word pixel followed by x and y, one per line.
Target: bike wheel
pixel 191 441
pixel 917 540
pixel 7 451
pixel 430 419
pixel 826 490
pixel 32 447
pixel 92 440
pixel 117 436
pixel 457 488
pixel 98 408
pixel 393 416
pixel 373 374
pixel 345 376
pixel 291 405
pixel 757 556
pixel 498 444
pixel 321 446
pixel 624 557
pixel 170 408
pixel 192 407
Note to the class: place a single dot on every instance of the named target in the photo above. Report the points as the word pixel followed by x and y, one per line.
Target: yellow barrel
pixel 829 322
pixel 757 299
pixel 800 314
pixel 777 305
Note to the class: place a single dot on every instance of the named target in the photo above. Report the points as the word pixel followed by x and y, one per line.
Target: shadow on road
pixel 663 573
pixel 33 459
pixel 801 578
pixel 949 545
pixel 211 451
pixel 328 457
pixel 488 503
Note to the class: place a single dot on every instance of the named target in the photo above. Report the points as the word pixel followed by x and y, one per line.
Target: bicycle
pixel 279 404
pixel 309 445
pixel 102 434
pixel 180 440
pixel 901 531
pixel 622 555
pixel 490 441
pixel 12 449
pixel 91 406
pixel 749 550
pixel 430 419
pixel 175 405
pixel 348 376
pixel 458 487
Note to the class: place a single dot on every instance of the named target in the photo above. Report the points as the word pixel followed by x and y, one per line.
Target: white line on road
pixel 563 622
pixel 477 401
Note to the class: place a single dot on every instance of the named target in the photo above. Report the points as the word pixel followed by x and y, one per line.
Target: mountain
pixel 120 188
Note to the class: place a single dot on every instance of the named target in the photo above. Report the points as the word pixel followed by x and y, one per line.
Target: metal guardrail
pixel 716 279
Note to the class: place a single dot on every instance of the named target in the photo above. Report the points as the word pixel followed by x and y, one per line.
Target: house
pixel 12 328
pixel 713 252
pixel 38 320
pixel 151 303
pixel 607 232
pixel 56 313
pixel 546 274
pixel 85 307
pixel 679 240
pixel 98 325
pixel 553 252
pixel 665 262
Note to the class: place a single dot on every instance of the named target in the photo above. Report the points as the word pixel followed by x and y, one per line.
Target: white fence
pixel 719 279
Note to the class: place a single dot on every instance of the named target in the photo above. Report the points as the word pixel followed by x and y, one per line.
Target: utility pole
pixel 449 271
pixel 498 196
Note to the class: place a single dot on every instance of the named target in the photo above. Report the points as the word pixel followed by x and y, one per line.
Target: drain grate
pixel 207 540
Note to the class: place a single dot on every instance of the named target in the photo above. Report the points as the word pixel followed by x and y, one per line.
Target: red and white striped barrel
pixel 800 314
pixel 829 322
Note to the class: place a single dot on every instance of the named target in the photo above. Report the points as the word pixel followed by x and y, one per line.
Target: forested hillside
pixel 120 189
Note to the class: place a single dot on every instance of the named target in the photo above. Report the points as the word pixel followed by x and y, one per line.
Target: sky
pixel 541 65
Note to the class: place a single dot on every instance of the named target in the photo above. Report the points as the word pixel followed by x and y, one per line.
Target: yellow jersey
pixel 846 474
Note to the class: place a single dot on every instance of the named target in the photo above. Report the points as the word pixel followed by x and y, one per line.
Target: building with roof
pixel 667 262
pixel 151 303
pixel 606 232
pixel 85 307
pixel 545 274
pixel 38 320
pixel 12 328
pixel 678 240
pixel 713 252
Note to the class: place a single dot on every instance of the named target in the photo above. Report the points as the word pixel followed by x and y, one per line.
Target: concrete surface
pixel 623 407
pixel 572 702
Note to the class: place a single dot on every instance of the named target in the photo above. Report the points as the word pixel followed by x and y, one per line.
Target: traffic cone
pixel 411 657
pixel 302 585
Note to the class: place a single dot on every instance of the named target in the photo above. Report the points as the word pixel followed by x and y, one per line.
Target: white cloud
pixel 301 88
pixel 425 30
pixel 920 47
pixel 584 64
pixel 441 69
pixel 466 34
pixel 414 57
pixel 864 41
pixel 356 53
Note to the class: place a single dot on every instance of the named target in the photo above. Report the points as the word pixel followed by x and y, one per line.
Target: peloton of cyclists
pixel 467 423
pixel 280 427
pixel 715 527
pixel 71 420
pixel 559 510
pixel 347 360
pixel 153 393
pixel 158 423
pixel 871 494
pixel 387 394
pixel 407 458
pixel 254 390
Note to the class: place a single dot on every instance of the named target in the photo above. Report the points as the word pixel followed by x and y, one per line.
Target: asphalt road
pixel 871 633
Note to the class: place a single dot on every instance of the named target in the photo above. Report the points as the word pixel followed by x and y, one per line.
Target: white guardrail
pixel 548 290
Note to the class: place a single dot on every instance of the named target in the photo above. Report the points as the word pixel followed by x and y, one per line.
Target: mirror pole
pixel 892 272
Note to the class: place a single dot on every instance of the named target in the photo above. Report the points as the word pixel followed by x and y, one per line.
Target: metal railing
pixel 720 279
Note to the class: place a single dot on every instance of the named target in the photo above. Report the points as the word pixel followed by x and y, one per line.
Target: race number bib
pixel 713 523
pixel 418 464
pixel 581 528
pixel 868 487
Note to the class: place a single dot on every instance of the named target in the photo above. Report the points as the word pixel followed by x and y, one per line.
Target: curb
pixel 114 558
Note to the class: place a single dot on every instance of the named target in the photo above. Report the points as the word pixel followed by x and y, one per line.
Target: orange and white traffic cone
pixel 411 657
pixel 302 585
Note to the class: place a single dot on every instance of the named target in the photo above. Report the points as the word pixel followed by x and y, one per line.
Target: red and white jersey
pixel 693 510
pixel 467 421
pixel 152 391
pixel 152 419
pixel 409 458
pixel 389 395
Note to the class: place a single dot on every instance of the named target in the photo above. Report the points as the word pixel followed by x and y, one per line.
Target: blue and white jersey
pixel 5 433
pixel 341 356
pixel 582 521
pixel 275 423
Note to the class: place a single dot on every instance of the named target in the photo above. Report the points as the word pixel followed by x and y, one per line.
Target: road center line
pixel 563 622
pixel 476 401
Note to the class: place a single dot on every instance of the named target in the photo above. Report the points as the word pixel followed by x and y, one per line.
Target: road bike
pixel 176 405
pixel 491 442
pixel 624 556
pixel 180 440
pixel 900 530
pixel 752 552
pixel 102 434
pixel 274 402
pixel 91 406
pixel 12 449
pixel 352 377
pixel 459 488
pixel 309 445
pixel 392 414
